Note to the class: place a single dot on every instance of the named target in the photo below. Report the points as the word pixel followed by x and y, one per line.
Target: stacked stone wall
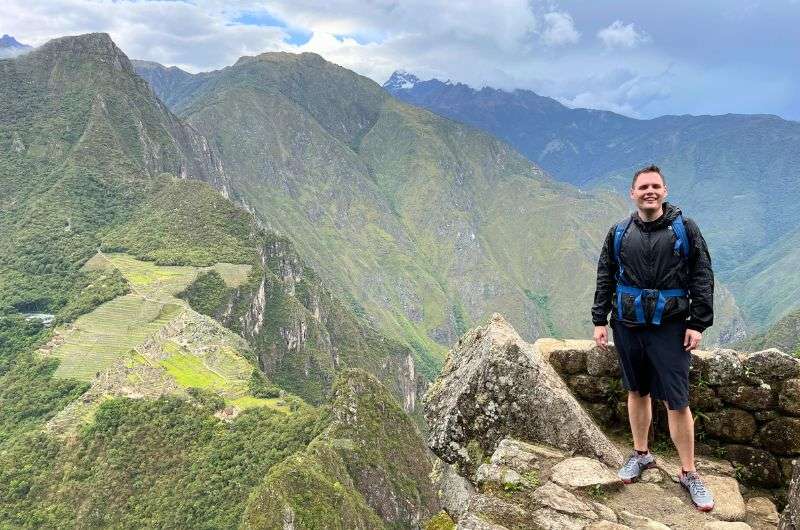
pixel 746 405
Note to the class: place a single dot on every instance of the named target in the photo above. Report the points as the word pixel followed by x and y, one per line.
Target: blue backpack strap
pixel 619 232
pixel 682 242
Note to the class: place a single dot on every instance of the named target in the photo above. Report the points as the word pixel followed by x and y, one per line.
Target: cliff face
pixel 303 335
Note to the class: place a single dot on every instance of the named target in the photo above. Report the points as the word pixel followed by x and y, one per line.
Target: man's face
pixel 649 192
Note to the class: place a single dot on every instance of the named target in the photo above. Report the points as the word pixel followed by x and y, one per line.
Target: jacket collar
pixel 670 213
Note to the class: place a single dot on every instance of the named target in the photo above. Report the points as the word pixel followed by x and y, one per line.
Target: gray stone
pixel 550 519
pixel 722 525
pixel 494 385
pixel 499 475
pixel 703 398
pixel 524 457
pixel 757 467
pixel 590 387
pixel 605 512
pixel 582 472
pixel 639 521
pixel 497 510
pixel 748 397
pixel 728 502
pixel 713 466
pixel 789 398
pixel 554 496
pixel 452 489
pixel 568 361
pixel 718 367
pixel 790 518
pixel 761 513
pixel 733 425
pixel 602 362
pixel 782 436
pixel 607 525
pixel 770 365
pixel 652 476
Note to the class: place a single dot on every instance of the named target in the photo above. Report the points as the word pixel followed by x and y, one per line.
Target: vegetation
pixel 207 294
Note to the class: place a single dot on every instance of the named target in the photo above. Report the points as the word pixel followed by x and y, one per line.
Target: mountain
pixel 191 349
pixel 11 47
pixel 722 170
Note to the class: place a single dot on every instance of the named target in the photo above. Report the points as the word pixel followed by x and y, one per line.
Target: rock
pixel 606 525
pixel 639 521
pixel 703 398
pixel 707 466
pixel 605 512
pixel 718 367
pixel 582 472
pixel 602 362
pixel 569 361
pixel 748 397
pixel 728 501
pixel 553 496
pixel 601 412
pixel 652 476
pixel 756 466
pixel 761 513
pixel 589 387
pixel 494 386
pixel 770 365
pixel 523 457
pixel 722 525
pixel 549 519
pixel 453 490
pixel 495 474
pixel 782 436
pixel 790 518
pixel 733 425
pixel 497 510
pixel 765 416
pixel 789 398
pixel 473 522
pixel 787 467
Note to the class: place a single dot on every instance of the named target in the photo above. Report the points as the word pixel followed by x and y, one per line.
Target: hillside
pixel 721 170
pixel 190 347
pixel 414 217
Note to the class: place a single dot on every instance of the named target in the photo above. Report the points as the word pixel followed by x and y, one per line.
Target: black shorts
pixel 653 361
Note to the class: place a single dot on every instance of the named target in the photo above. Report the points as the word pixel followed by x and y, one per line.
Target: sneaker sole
pixel 634 479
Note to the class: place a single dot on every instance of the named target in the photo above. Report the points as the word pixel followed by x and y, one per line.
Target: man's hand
pixel 601 337
pixel 691 340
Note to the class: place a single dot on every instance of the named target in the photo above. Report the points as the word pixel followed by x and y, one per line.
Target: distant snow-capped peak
pixel 401 80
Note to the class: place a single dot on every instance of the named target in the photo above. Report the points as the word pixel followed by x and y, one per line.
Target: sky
pixel 640 58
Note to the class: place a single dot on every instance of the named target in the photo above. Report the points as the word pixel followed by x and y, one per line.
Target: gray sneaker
pixel 634 466
pixel 701 496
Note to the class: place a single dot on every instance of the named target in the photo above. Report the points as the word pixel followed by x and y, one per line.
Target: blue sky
pixel 642 59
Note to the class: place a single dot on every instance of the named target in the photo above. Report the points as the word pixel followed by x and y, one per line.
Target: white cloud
pixel 559 29
pixel 619 35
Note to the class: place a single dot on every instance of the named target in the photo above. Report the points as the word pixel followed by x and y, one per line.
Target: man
pixel 654 275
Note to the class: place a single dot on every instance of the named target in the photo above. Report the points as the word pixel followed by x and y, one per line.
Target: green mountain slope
pixel 427 224
pixel 784 335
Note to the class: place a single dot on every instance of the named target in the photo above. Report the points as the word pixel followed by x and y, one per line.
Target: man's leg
pixel 681 430
pixel 640 414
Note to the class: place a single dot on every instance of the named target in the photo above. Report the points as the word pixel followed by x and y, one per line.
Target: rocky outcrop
pixel 790 518
pixel 747 405
pixel 494 385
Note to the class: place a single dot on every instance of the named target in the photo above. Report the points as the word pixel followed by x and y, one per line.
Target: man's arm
pixel 701 281
pixel 606 282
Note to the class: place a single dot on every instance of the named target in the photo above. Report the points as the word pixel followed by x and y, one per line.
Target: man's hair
pixel 649 169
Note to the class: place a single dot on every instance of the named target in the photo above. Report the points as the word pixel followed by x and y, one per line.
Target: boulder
pixel 702 398
pixel 550 519
pixel 790 518
pixel 523 457
pixel 602 362
pixel 770 365
pixel 568 361
pixel 497 475
pixel 492 508
pixel 782 436
pixel 589 387
pixel 761 513
pixel 639 521
pixel 733 425
pixel 453 490
pixel 495 385
pixel 789 398
pixel 717 367
pixel 582 472
pixel 728 502
pixel 554 496
pixel 758 467
pixel 748 397
pixel 473 522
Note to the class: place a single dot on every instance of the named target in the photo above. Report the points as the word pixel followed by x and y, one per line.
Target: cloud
pixel 559 29
pixel 619 35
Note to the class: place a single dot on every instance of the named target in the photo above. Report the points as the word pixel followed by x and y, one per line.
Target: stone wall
pixel 746 405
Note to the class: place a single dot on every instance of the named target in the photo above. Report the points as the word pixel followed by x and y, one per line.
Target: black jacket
pixel 651 263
